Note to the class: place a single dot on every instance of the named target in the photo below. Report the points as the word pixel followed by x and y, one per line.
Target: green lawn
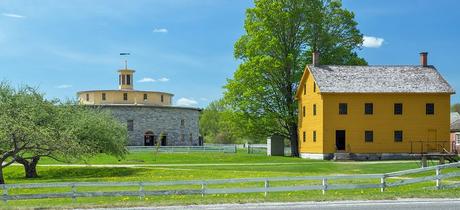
pixel 173 167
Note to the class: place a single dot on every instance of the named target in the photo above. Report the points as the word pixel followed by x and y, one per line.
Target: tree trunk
pixel 30 167
pixel 2 180
pixel 294 140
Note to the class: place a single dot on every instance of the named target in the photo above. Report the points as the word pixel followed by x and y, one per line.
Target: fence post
pixel 5 193
pixel 203 188
pixel 74 193
pixel 382 183
pixel 438 178
pixel 267 185
pixel 141 191
pixel 324 185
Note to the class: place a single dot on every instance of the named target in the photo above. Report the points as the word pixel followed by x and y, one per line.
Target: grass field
pixel 145 166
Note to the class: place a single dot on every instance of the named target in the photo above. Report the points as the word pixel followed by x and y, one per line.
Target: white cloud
pixel 160 30
pixel 163 79
pixel 148 79
pixel 372 42
pixel 11 15
pixel 186 102
pixel 63 86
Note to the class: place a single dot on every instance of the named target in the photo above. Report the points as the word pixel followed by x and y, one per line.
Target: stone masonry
pixel 178 124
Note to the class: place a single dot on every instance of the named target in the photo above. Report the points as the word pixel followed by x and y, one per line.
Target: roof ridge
pixel 377 65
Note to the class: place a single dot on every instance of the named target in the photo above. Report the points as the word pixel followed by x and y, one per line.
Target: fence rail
pixel 203 186
pixel 185 149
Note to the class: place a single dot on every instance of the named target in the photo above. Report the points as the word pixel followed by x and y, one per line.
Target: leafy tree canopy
pixel 279 40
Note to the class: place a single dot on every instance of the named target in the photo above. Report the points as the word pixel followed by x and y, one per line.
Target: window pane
pixel 130 125
pixel 343 109
pixel 314 109
pixel 368 108
pixel 314 87
pixel 304 136
pixel 430 109
pixel 145 96
pixel 314 136
pixel 162 98
pixel 103 96
pixel 369 136
pixel 398 109
pixel 398 136
pixel 125 96
pixel 128 79
pixel 303 111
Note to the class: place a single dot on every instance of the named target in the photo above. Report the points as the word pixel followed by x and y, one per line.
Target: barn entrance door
pixel 149 139
pixel 340 140
pixel 432 145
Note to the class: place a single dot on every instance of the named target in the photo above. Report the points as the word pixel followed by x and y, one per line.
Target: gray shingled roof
pixel 379 79
pixel 455 127
pixel 454 116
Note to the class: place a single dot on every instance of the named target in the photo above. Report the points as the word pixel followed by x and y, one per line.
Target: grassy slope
pixel 14 174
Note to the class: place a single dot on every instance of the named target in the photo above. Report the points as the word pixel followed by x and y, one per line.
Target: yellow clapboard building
pixel 373 112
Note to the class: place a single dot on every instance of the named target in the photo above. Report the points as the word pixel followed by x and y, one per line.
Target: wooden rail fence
pixel 203 188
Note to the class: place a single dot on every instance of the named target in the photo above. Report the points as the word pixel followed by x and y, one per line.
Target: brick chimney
pixel 315 58
pixel 424 59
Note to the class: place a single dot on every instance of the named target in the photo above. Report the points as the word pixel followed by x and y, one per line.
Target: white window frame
pixel 457 138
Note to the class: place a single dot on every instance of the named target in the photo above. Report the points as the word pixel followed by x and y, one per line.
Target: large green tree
pixel 32 127
pixel 279 40
pixel 79 132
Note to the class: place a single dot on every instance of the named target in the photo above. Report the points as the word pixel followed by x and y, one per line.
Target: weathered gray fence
pixel 185 149
pixel 202 187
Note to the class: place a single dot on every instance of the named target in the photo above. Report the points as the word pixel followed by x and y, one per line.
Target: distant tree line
pixel 455 108
pixel 32 127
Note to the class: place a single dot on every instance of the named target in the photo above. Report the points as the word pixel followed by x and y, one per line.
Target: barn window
pixel 145 97
pixel 314 87
pixel 103 96
pixel 430 109
pixel 398 136
pixel 314 109
pixel 368 108
pixel 125 96
pixel 398 109
pixel 304 137
pixel 368 136
pixel 305 89
pixel 343 108
pixel 314 136
pixel 303 111
pixel 130 125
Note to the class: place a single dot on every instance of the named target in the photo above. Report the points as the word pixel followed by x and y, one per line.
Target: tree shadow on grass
pixel 79 174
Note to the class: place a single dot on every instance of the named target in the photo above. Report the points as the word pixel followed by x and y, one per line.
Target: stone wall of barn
pixel 179 125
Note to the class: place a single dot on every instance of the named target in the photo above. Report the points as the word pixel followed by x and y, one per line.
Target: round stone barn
pixel 150 117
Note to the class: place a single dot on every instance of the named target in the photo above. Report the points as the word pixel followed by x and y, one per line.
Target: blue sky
pixel 186 46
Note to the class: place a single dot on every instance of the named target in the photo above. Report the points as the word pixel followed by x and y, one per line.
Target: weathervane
pixel 126 59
